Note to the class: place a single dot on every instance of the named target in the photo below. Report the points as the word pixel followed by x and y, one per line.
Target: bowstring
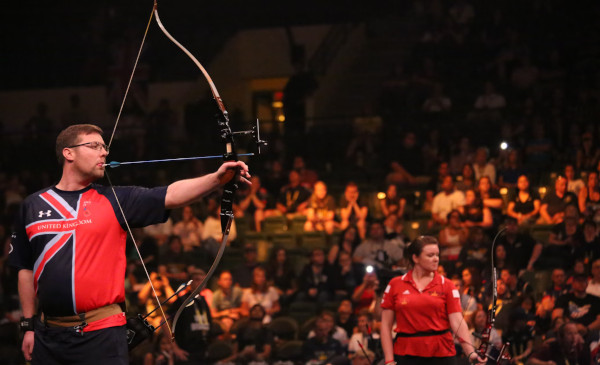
pixel 108 177
pixel 137 58
pixel 138 250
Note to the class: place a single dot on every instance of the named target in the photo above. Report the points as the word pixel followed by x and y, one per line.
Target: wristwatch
pixel 26 324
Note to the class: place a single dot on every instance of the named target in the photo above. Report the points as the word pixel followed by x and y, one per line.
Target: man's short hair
pixel 69 137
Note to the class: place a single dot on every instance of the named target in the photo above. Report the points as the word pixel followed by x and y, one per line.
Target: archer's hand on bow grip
pixel 230 169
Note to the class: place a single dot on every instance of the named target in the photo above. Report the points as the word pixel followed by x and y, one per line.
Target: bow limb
pixel 230 186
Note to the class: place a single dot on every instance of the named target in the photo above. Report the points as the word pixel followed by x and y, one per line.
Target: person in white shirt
pixel 593 287
pixel 446 201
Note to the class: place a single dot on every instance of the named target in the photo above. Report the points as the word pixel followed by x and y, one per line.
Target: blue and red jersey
pixel 74 242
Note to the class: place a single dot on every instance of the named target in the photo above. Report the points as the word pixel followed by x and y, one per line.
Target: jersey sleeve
pixel 20 253
pixel 452 297
pixel 143 206
pixel 388 301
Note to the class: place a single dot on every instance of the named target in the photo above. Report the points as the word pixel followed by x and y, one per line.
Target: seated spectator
pixel 160 232
pixel 175 260
pixel 567 349
pixel 524 75
pixel 326 322
pixel 491 198
pixel 346 319
pixel 446 200
pixel 474 212
pixel 437 101
pixel 392 230
pixel 212 235
pixel 480 318
pixel 511 170
pixel 163 290
pixel 520 246
pixel 242 274
pixel 525 204
pixel 364 294
pixel 316 281
pixel 559 284
pixel 552 210
pixel 189 229
pixel 308 177
pixel 462 155
pixel 435 152
pixel 475 253
pixel 409 161
pixel 466 180
pixel 320 212
pixel 352 210
pixel 253 341
pixel 366 337
pixel 282 276
pixel 260 292
pixel 376 250
pixel 543 315
pixel 482 167
pixel 574 185
pixel 348 276
pixel 489 104
pixel 468 303
pixel 593 287
pixel 589 196
pixel 293 198
pixel 578 269
pixel 392 204
pixel 452 237
pixel 579 306
pixel 348 241
pixel 227 301
pixel 163 351
pixel 562 242
pixel 472 284
pixel 252 201
pixel 195 330
pixel 519 336
pixel 500 257
pixel 589 249
pixel 505 305
pixel 588 154
pixel 539 148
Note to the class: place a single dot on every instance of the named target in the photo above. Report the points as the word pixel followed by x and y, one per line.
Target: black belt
pixel 421 334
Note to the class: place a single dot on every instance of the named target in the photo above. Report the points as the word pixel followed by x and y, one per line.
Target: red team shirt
pixel 422 312
pixel 74 242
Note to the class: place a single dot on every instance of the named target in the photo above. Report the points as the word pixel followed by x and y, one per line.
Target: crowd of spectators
pixel 447 177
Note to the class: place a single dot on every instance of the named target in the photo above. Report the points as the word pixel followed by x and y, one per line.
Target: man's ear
pixel 68 154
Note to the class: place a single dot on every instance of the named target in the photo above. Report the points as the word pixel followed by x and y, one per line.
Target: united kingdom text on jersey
pixel 74 242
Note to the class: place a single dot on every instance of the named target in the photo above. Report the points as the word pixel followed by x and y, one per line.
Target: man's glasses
pixel 98 146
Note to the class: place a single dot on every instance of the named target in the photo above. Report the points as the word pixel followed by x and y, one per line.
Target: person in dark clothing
pixel 568 349
pixel 315 282
pixel 254 341
pixel 323 348
pixel 578 306
pixel 194 330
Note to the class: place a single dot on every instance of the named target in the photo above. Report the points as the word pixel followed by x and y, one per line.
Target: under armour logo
pixel 46 213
